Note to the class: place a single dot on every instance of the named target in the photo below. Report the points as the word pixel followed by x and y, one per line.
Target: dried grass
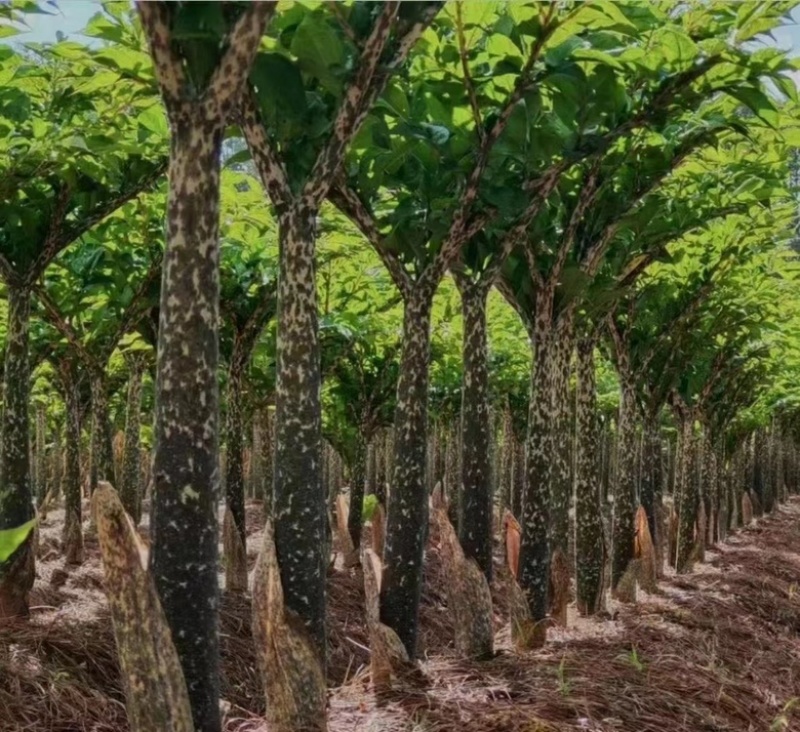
pixel 60 676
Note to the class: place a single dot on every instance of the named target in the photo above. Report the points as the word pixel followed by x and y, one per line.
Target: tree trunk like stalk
pixel 130 478
pixel 388 454
pixel 439 440
pixel 506 478
pixel 16 508
pixel 519 477
pixel 381 466
pixel 267 459
pixel 686 496
pixel 359 475
pixel 299 497
pixel 712 481
pixel 102 460
pixel 757 460
pixel 722 491
pixel 625 479
pixel 561 459
pixel 781 464
pixel 452 474
pixel 431 459
pixel 651 474
pixel 254 466
pixel 372 466
pixel 534 560
pixel 41 453
pixel 741 482
pixel 701 475
pixel 590 548
pixel 475 506
pixel 73 536
pixel 652 490
pixel 724 466
pixel 57 462
pixel 408 503
pixel 671 465
pixel 184 553
pixel 770 484
pixel 234 466
pixel 609 446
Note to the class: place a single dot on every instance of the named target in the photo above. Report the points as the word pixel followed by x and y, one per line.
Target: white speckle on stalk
pixel 188 493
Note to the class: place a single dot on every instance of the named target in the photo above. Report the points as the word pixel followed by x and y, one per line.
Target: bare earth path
pixel 714 651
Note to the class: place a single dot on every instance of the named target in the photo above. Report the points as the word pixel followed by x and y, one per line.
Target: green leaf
pixel 395 100
pixel 69 50
pixel 154 119
pixel 98 81
pixel 369 506
pixel 242 156
pixel 605 15
pixel 789 87
pixel 15 105
pixel 319 50
pixel 594 54
pixel 438 134
pixel 757 102
pixel 753 27
pixel 677 47
pixel 39 128
pixel 78 142
pixel 12 539
pixel 136 63
pixel 100 26
pixel 280 88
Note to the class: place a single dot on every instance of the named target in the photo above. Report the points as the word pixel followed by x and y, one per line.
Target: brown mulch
pixel 714 651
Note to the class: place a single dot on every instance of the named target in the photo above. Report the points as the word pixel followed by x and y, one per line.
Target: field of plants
pixel 400 366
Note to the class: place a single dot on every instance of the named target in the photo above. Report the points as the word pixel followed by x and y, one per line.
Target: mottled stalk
pixel 534 560
pixel 299 497
pixel 519 477
pixel 17 573
pixel 506 477
pixel 184 554
pixel 186 473
pixel 234 465
pixel 686 496
pixel 561 458
pixel 381 466
pixel 41 452
pixel 589 524
pixel 758 481
pixel 713 487
pixel 267 458
pixel 770 484
pixel 650 472
pixel 372 467
pixel 57 462
pixel 475 506
pixel 408 505
pixel 358 479
pixel 102 449
pixel 72 536
pixel 130 478
pixel 625 476
pixel 452 473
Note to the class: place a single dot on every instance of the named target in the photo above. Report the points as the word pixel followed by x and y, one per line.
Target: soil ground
pixel 716 650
